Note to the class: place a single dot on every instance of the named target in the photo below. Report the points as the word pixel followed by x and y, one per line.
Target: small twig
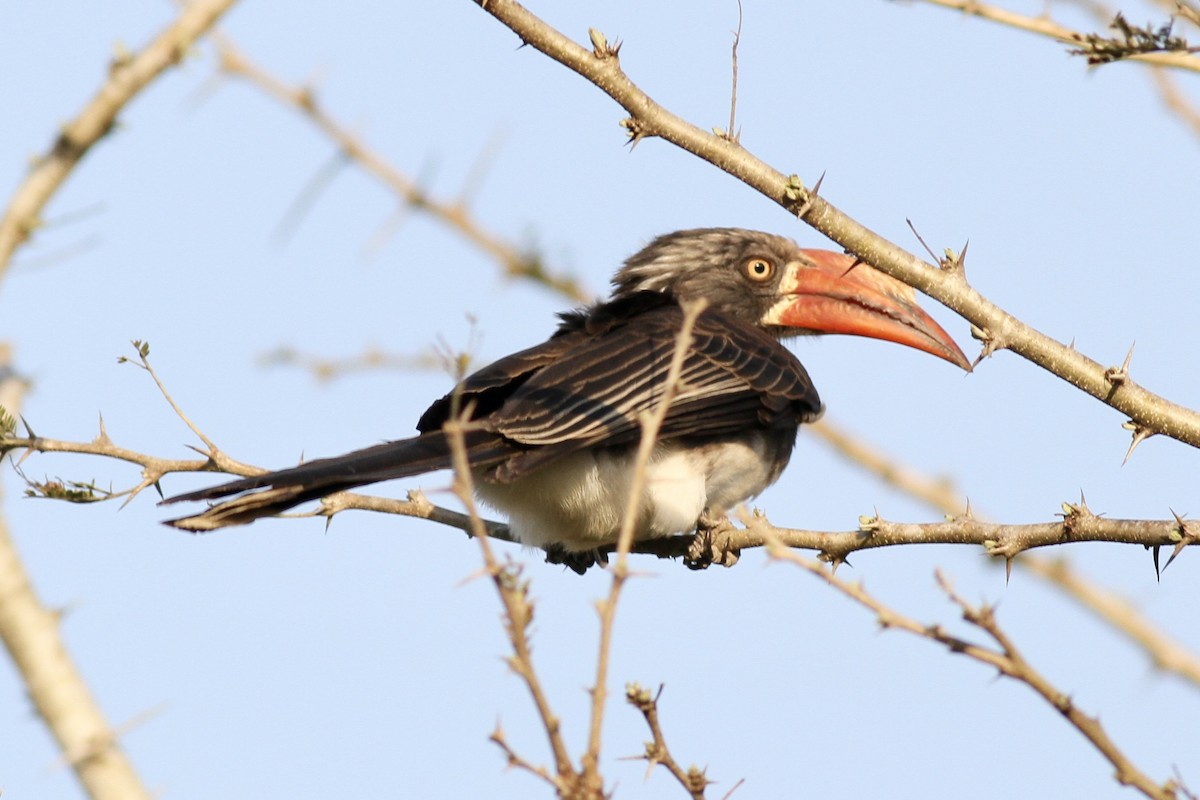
pixel 320 181
pixel 733 134
pixel 1043 26
pixel 693 779
pixel 1168 89
pixel 1164 652
pixel 1131 41
pixel 516 761
pixel 143 354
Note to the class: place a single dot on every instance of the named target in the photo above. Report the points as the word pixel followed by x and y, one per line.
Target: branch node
pixel 1130 41
pixel 798 199
pixel 601 48
pixel 1140 434
pixel 869 524
pixel 955 263
pixel 1116 377
pixel 1182 536
pixel 991 343
pixel 635 130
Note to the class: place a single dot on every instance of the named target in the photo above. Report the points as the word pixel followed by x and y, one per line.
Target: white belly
pixel 579 501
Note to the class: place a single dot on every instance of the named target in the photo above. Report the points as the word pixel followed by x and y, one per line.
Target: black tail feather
pixel 286 488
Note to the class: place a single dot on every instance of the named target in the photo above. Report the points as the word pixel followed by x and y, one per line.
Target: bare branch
pixel 732 133
pixel 651 422
pixel 1178 56
pixel 517 264
pixel 56 688
pixel 1042 25
pixel 128 74
pixel 326 369
pixel 518 615
pixel 1004 657
pixel 1164 652
pixel 1001 540
pixel 938 493
pixel 949 287
pixel 693 779
pixel 1130 42
pixel 1175 101
pixel 516 761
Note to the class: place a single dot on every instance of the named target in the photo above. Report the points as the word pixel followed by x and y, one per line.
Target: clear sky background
pixel 284 660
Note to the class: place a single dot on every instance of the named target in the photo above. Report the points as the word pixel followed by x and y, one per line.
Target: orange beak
pixel 828 293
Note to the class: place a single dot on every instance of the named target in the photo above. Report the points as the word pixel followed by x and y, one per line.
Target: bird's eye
pixel 759 270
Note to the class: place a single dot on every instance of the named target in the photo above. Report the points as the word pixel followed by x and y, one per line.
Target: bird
pixel 550 432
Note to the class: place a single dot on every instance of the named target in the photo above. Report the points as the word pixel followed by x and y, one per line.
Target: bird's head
pixel 769 281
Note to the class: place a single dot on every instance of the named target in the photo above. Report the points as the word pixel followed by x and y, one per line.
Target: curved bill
pixel 829 293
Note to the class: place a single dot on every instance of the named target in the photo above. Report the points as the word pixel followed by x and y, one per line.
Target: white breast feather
pixel 579 501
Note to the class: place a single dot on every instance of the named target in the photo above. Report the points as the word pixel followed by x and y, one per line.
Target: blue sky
pixel 362 661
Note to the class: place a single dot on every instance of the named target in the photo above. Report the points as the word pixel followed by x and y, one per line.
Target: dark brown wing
pixel 590 386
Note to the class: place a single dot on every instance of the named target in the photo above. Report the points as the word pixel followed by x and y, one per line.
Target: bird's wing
pixel 734 378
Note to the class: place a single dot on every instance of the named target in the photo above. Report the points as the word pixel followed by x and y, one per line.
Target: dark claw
pixel 578 561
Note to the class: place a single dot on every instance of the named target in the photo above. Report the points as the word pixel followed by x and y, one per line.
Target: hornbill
pixel 552 430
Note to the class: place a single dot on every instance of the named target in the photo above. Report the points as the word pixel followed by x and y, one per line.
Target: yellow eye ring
pixel 758 270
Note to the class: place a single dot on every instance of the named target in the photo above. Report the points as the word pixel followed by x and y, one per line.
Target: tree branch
pixel 1004 657
pixel 651 422
pixel 517 264
pixel 518 617
pixel 30 632
pixel 693 779
pixel 1164 652
pixel 1078 524
pixel 127 75
pixel 1149 413
pixel 1042 25
pixel 1089 44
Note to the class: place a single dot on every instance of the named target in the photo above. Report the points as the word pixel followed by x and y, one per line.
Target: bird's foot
pixel 578 561
pixel 712 544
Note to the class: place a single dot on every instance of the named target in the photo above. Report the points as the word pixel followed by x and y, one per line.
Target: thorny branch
pixel 1003 656
pixel 1173 97
pixel 1149 413
pixel 1078 523
pixel 238 64
pixel 518 616
pixel 651 422
pixel 1164 652
pixel 29 630
pixel 516 263
pixel 33 638
pixel 1156 46
pixel 128 74
pixel 693 779
pixel 327 369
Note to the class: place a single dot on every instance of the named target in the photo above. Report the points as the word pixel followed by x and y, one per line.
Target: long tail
pixel 289 487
